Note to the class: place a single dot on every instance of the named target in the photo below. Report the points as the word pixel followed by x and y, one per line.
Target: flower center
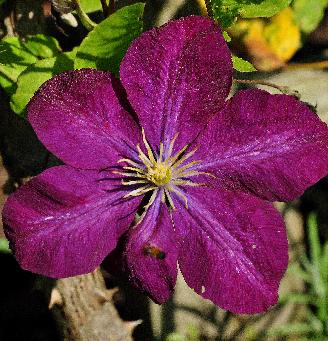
pixel 160 173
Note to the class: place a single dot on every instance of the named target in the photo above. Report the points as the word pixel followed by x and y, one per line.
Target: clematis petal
pixel 63 223
pixel 150 254
pixel 176 77
pixel 272 146
pixel 234 249
pixel 80 114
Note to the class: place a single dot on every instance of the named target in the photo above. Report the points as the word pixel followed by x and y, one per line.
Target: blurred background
pixel 289 49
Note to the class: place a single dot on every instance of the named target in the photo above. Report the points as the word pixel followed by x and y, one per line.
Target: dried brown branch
pixel 85 310
pixel 282 89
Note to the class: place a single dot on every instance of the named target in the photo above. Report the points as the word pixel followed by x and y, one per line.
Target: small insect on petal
pixel 154 251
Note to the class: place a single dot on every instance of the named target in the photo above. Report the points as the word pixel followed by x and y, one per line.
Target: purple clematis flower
pixel 166 144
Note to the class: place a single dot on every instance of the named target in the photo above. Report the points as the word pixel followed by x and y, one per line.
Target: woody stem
pixel 282 89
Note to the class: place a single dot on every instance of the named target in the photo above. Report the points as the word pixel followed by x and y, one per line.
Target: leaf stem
pixel 283 89
pixel 85 20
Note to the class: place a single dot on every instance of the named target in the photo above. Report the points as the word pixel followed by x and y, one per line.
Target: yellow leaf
pixel 283 35
pixel 269 43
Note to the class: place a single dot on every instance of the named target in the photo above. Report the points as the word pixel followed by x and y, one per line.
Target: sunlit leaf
pixel 226 36
pixel 264 8
pixel 309 13
pixel 17 55
pixel 242 65
pixel 68 6
pixel 226 11
pixel 42 46
pixel 105 46
pixel 91 5
pixel 4 246
pixel 34 76
pixel 14 59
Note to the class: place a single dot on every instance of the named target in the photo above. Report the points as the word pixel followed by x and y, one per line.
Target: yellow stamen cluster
pixel 160 175
pixel 154 173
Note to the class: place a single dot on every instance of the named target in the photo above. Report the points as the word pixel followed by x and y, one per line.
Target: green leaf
pixel 266 8
pixel 193 333
pixel 297 298
pixel 226 11
pixel 290 329
pixel 68 6
pixel 4 246
pixel 105 46
pixel 89 6
pixel 309 13
pixel 175 337
pixel 316 324
pixel 14 59
pixel 314 241
pixel 16 56
pixel 242 65
pixel 35 75
pixel 296 270
pixel 42 46
pixel 226 36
